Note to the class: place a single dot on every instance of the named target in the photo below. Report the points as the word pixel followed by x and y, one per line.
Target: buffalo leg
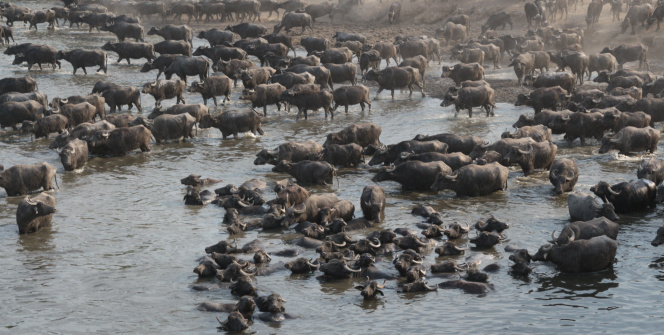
pixel 393 94
pixel 214 98
pixel 347 108
pixel 119 60
pixel 75 70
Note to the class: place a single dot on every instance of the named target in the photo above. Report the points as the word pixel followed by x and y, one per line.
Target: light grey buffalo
pixel 584 206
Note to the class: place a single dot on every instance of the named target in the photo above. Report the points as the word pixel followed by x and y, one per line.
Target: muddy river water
pixel 120 254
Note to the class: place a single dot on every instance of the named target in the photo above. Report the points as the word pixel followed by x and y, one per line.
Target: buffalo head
pixel 371 288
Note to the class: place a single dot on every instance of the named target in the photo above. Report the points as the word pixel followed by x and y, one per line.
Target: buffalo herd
pixel 550 60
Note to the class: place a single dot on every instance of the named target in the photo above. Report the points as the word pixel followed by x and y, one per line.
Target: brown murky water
pixel 120 254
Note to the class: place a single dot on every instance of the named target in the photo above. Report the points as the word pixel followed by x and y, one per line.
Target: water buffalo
pixel 392 152
pixel 563 174
pixel 473 180
pixel 124 30
pixel 173 32
pixel 308 172
pixel 117 96
pixel 168 126
pixel 565 80
pixel 13 112
pixel 289 151
pixel 308 210
pixel 635 15
pixel 46 125
pixel 539 133
pixel 502 146
pixel 308 100
pixel 82 58
pixel 234 122
pixel 467 56
pixel 455 142
pixel 160 63
pixel 18 97
pixel 469 97
pixel 631 139
pixel 370 289
pixel 129 50
pixel 220 52
pixel 485 239
pixel 372 202
pixel 211 87
pixel 601 62
pixel 392 78
pixel 414 175
pixel 627 197
pixel 188 66
pixel 351 95
pixel 21 179
pixel 496 20
pixel 37 54
pixel 589 255
pixel 77 113
pixel 539 155
pixel 322 75
pixel 292 20
pixel 264 95
pixel 118 142
pixel 545 97
pixel 523 64
pixel 584 206
pixel 463 72
pixel 173 48
pixel 35 212
pixel 629 53
pixel 651 169
pixel 74 154
pixel 94 99
pixel 363 134
pixel 347 155
pixel 452 32
pixel 196 110
pixel 79 132
pixel 165 89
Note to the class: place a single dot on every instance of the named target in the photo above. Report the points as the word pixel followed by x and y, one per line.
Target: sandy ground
pixel 423 17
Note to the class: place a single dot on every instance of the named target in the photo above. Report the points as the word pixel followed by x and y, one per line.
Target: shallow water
pixel 120 254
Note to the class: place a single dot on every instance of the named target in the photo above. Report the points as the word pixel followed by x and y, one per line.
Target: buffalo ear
pixel 358 287
pixel 36 210
pixel 380 292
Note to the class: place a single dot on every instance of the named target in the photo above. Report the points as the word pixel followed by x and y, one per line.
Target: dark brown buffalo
pixel 234 122
pixel 473 180
pixel 563 174
pixel 393 78
pixel 264 95
pixel 46 125
pixel 82 58
pixel 22 179
pixel 308 172
pixel 631 139
pixel 118 142
pixel 629 53
pixel 211 87
pixel 74 154
pixel 165 89
pixel 131 50
pixel 462 72
pixel 34 213
pixel 414 175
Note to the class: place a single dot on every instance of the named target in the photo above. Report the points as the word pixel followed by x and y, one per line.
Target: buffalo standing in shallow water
pixel 474 180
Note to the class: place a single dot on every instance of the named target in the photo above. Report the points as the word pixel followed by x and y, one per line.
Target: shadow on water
pixel 573 286
pixel 37 243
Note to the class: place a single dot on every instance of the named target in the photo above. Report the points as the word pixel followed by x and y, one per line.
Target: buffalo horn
pixel 374 245
pixel 350 270
pixel 451 177
pixel 526 152
pixel 613 192
pixel 30 202
pixel 571 239
pixel 379 286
